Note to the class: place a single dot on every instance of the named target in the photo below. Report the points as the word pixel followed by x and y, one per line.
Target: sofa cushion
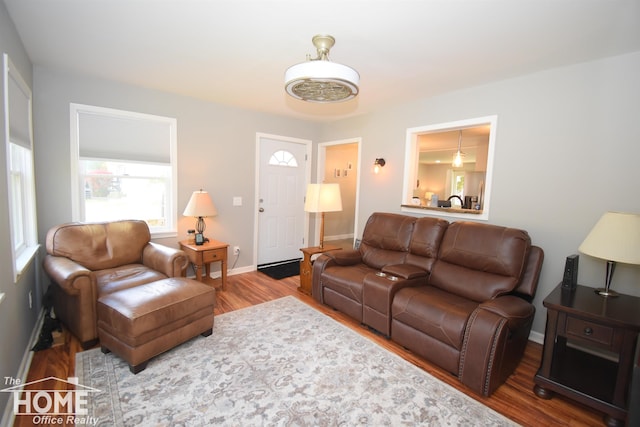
pixel 480 261
pixel 386 239
pixel 425 242
pixel 434 312
pixel 346 281
pixel 124 277
pixel 97 246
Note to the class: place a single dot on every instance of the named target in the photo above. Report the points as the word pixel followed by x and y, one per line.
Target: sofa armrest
pixel 405 271
pixel 514 310
pixel 495 338
pixel 345 256
pixel 170 261
pixel 68 274
pixel 319 265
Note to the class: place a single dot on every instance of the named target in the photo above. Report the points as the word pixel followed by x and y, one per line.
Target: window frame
pixel 77 184
pixel 411 168
pixel 20 175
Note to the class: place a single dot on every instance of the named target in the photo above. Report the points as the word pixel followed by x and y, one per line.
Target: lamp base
pixel 606 292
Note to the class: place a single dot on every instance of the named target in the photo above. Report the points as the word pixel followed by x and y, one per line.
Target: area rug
pixel 281 363
pixel 281 270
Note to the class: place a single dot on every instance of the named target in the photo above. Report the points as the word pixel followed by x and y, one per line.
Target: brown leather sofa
pixel 457 294
pixel 88 260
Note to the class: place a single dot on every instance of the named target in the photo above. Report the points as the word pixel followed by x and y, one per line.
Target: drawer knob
pixel 588 331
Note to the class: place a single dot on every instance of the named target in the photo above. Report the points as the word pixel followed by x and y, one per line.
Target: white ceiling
pixel 236 51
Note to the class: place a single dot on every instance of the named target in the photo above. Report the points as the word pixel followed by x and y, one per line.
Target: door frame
pixel 307 177
pixel 320 167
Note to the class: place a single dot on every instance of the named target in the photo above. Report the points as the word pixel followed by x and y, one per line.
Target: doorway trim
pixel 307 174
pixel 320 167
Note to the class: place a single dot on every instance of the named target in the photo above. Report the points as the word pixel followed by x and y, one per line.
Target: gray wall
pixel 567 150
pixel 216 151
pixel 16 318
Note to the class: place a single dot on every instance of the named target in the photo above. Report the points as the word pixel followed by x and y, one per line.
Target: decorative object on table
pixel 323 198
pixel 615 238
pixel 319 79
pixel 570 276
pixel 200 206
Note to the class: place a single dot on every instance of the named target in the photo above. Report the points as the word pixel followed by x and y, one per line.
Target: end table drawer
pixel 211 256
pixel 589 331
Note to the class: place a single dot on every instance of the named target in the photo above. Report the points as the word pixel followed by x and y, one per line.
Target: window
pixel 20 175
pixel 126 167
pixel 429 171
pixel 283 158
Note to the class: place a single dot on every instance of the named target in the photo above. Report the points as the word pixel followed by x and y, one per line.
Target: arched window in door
pixel 283 158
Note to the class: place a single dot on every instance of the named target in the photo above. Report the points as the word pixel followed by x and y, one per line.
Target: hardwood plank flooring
pixel 514 399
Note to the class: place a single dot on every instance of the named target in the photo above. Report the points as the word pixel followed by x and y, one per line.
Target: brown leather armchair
pixel 88 260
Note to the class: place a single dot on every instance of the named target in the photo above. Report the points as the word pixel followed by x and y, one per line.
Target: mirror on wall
pixel 448 168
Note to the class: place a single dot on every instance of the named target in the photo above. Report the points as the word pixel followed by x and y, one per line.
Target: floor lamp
pixel 323 198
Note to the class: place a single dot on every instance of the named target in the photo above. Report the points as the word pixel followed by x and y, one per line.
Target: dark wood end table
pixel 589 350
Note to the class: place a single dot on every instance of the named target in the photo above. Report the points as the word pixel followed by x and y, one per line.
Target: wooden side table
pixel 589 349
pixel 201 256
pixel 306 265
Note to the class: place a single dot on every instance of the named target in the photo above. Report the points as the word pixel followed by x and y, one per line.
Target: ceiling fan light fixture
pixel 320 80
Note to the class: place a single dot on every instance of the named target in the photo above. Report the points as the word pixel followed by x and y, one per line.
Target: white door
pixel 281 190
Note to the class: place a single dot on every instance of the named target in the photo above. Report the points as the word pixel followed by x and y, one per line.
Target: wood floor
pixel 514 399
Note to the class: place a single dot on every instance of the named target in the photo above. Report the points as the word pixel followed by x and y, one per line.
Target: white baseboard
pixel 8 417
pixel 338 237
pixel 536 337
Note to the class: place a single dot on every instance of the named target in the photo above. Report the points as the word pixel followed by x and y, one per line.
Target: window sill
pixel 447 212
pixel 24 260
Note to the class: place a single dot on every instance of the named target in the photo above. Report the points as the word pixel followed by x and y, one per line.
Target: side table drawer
pixel 589 331
pixel 211 256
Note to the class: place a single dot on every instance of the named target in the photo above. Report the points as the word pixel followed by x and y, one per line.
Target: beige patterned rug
pixel 281 363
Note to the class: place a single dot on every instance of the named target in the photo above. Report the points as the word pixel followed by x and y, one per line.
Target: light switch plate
pixel 237 201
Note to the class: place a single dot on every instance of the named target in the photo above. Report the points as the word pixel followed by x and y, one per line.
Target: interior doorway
pixel 339 162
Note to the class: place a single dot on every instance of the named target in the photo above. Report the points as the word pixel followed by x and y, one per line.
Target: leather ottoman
pixel 141 322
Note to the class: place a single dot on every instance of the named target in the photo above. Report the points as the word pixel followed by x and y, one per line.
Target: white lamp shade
pixel 323 198
pixel 615 237
pixel 200 205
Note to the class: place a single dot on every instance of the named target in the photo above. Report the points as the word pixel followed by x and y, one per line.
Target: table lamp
pixel 323 198
pixel 614 238
pixel 200 206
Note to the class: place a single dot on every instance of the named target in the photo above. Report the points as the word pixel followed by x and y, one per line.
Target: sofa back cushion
pixel 480 261
pixel 97 246
pixel 386 239
pixel 425 242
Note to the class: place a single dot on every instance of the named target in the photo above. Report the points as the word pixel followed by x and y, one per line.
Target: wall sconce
pixel 377 164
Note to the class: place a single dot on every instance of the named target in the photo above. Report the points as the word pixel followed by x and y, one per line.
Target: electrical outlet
pixel 236 250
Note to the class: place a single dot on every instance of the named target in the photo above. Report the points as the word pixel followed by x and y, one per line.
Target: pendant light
pixel 457 158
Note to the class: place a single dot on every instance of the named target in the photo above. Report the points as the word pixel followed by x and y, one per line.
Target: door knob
pixel 261 210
